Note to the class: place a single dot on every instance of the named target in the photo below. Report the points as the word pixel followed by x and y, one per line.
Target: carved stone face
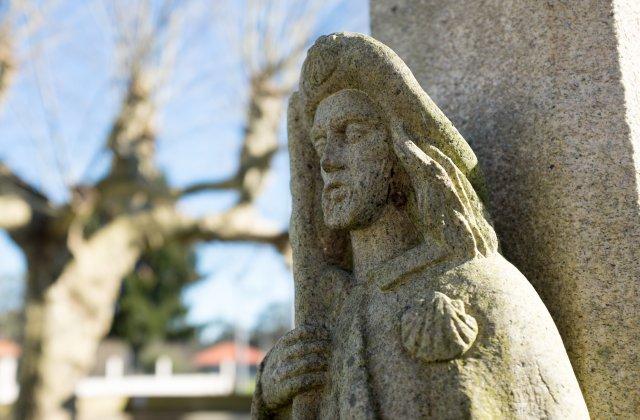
pixel 355 159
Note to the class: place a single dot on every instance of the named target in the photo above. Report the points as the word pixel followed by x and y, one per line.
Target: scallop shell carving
pixel 438 330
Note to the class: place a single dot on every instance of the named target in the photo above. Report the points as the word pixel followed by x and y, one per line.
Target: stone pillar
pixel 547 94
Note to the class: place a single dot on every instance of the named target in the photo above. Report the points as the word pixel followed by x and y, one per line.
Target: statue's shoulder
pixel 491 288
pixel 449 307
pixel 499 296
pixel 488 276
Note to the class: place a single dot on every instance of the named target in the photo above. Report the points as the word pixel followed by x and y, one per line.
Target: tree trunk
pixel 69 310
pixel 45 258
pixel 72 296
pixel 260 142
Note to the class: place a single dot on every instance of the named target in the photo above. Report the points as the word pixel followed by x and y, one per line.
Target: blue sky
pixel 200 131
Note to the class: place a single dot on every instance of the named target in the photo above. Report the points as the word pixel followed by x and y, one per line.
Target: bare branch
pixel 241 223
pixel 19 201
pixel 275 36
pixel 49 102
pixel 228 184
pixel 15 212
pixel 7 56
pixel 148 48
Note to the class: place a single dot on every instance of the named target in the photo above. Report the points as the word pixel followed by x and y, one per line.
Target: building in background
pixel 226 354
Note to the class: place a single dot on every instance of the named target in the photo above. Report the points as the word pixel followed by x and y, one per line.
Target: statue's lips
pixel 332 185
pixel 335 190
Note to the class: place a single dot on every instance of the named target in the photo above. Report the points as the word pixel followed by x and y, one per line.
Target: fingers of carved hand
pixel 303 348
pixel 415 158
pixel 296 367
pixel 293 377
pixel 402 143
pixel 302 383
pixel 304 332
pixel 297 363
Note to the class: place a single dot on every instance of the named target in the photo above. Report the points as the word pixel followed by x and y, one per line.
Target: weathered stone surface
pixel 404 307
pixel 547 94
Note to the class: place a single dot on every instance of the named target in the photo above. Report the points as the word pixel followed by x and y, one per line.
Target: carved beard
pixel 337 207
pixel 352 208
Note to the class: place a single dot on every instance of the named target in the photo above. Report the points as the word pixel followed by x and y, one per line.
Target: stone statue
pixel 404 306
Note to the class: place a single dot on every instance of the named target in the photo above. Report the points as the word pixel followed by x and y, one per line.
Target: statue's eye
pixel 355 132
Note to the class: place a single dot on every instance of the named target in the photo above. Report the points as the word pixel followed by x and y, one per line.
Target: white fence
pixel 114 384
pixel 186 385
pixel 8 385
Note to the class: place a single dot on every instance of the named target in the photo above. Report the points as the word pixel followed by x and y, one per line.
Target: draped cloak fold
pixel 517 366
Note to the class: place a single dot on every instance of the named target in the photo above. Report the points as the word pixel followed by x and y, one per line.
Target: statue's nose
pixel 330 163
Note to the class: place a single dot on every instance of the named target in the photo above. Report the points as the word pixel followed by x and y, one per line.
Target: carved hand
pixel 296 364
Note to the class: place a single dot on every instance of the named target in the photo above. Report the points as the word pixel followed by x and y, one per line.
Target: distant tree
pixel 273 322
pixel 150 309
pixel 222 330
pixel 10 324
pixel 11 319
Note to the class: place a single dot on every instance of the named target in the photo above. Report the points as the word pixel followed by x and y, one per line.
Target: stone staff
pixel 319 256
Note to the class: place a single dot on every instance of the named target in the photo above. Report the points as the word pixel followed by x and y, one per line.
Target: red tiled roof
pixel 9 349
pixel 228 351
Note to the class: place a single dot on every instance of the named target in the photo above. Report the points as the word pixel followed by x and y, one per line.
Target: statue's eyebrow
pixel 345 119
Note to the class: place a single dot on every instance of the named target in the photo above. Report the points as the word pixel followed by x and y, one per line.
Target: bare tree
pixel 78 252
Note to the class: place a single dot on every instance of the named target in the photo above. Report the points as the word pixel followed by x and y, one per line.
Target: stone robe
pixel 515 367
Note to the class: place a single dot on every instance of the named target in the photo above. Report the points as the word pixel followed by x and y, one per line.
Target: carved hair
pixel 442 169
pixel 443 202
